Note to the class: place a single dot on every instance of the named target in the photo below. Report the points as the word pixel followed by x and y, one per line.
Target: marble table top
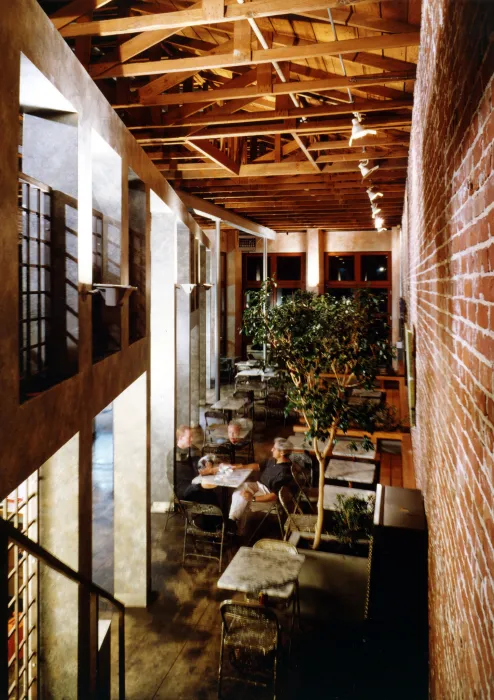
pixel 341 449
pixel 349 470
pixel 230 404
pixel 220 432
pixel 255 570
pixel 368 393
pixel 361 400
pixel 330 493
pixel 232 479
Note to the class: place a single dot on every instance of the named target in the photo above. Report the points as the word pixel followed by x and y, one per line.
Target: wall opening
pixel 137 257
pixel 106 244
pixel 103 499
pixel 48 262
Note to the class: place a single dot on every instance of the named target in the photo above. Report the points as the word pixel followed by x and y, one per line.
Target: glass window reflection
pixel 374 268
pixel 341 268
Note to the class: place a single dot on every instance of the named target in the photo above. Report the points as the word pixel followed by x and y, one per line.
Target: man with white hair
pixel 275 474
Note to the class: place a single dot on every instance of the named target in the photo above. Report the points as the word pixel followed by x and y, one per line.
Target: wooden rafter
pixel 248 105
pixel 196 17
pixel 224 60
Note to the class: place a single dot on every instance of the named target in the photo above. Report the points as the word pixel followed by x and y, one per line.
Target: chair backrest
pixel 192 509
pixel 288 502
pixel 235 613
pixel 214 416
pixel 299 476
pixel 246 423
pixel 244 394
pixel 304 463
pixel 276 546
pixel 223 449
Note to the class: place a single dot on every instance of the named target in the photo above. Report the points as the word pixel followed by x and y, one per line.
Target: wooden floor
pixel 172 647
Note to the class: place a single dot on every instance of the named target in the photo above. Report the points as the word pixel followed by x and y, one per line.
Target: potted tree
pixel 352 521
pixel 310 335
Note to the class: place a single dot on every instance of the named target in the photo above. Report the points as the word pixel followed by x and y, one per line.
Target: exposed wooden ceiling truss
pixel 249 105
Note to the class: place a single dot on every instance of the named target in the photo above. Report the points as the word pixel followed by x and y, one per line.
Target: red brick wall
pixel 448 232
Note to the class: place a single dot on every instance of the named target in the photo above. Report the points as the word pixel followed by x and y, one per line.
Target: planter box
pixel 329 544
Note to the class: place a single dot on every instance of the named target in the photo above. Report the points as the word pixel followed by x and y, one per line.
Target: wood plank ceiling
pixel 249 104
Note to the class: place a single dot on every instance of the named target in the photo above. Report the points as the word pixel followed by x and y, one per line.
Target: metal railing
pixel 9 533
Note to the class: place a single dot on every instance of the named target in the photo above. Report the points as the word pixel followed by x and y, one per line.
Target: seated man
pixel 275 474
pixel 186 467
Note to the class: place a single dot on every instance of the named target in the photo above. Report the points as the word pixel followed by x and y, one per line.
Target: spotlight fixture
pixel 375 210
pixel 379 222
pixel 359 131
pixel 373 195
pixel 366 171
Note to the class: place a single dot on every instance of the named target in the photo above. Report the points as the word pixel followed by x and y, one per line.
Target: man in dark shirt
pixel 275 474
pixel 186 467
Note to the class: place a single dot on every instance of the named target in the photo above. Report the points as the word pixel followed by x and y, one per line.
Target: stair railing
pixel 10 533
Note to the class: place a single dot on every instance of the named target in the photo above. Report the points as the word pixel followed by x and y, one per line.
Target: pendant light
pixel 373 195
pixel 359 131
pixel 365 170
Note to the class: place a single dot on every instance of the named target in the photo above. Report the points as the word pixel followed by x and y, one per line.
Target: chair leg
pixel 279 522
pixel 260 525
pixel 220 669
pixel 221 545
pixel 185 543
pixel 275 664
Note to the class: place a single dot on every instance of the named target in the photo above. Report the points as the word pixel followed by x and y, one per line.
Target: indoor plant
pixel 310 335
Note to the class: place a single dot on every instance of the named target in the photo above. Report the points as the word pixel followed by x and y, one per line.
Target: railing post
pixel 4 614
pixel 121 654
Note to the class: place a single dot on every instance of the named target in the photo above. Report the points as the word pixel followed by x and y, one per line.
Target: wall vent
pixel 247 242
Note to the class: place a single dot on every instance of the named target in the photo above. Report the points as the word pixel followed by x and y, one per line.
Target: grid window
pixel 34 278
pixel 21 508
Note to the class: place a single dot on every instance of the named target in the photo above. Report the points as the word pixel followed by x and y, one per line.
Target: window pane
pixel 341 292
pixel 254 268
pixel 282 294
pixel 374 268
pixel 289 268
pixel 341 268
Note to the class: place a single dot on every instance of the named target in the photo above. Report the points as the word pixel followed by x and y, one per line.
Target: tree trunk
pixel 322 459
pixel 320 502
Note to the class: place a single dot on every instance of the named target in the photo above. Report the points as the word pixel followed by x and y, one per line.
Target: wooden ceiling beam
pixel 74 10
pixel 196 17
pixel 282 127
pixel 166 82
pixel 205 98
pixel 217 156
pixel 212 210
pixel 270 169
pixel 367 141
pixel 224 117
pixel 362 21
pixel 291 53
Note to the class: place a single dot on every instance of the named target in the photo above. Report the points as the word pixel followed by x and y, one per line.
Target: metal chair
pixel 249 395
pixel 174 508
pixel 280 546
pixel 213 417
pixel 223 450
pixel 273 405
pixel 302 476
pixel 296 521
pixel 194 514
pixel 251 634
pixel 268 508
pixel 244 450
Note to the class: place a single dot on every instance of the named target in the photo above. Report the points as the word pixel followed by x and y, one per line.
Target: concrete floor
pixel 172 647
